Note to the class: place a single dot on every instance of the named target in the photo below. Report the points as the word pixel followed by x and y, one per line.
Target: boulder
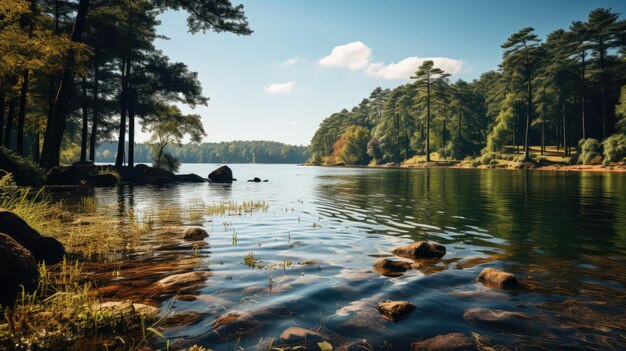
pixel 394 310
pixel 447 342
pixel 391 268
pixel 121 306
pixel 498 319
pixel 70 175
pixel 296 335
pixel 235 324
pixel 102 180
pixel 17 267
pixel 156 172
pixel 496 278
pixel 195 234
pixel 255 180
pixel 420 249
pixel 189 178
pixel 43 248
pixel 221 175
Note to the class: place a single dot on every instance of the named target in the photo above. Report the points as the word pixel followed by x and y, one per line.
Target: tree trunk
pixel 56 126
pixel 565 151
pixel 94 111
pixel 36 154
pixel 9 128
pixel 83 134
pixel 119 160
pixel 528 116
pixel 131 128
pixel 1 117
pixel 443 135
pixel 582 102
pixel 428 121
pixel 21 116
pixel 603 76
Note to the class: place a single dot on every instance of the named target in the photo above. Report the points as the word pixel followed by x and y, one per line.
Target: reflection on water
pixel 563 234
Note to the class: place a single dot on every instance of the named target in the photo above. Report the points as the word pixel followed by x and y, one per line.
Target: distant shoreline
pixel 620 168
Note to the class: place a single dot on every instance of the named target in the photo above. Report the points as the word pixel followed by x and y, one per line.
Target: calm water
pixel 562 234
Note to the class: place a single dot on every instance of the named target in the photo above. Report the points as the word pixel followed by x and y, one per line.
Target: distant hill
pixel 256 151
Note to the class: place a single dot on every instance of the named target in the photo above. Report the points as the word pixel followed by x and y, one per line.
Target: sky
pixel 309 59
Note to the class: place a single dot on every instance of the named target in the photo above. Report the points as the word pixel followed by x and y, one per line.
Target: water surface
pixel 563 234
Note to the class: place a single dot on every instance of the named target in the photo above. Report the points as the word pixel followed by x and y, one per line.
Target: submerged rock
pixel 195 234
pixel 359 345
pixel 182 280
pixel 492 277
pixel 498 319
pixel 255 180
pixel 70 175
pixel 420 249
pixel 391 268
pixel 296 335
pixel 235 324
pixel 102 180
pixel 43 248
pixel 447 342
pixel 17 267
pixel 221 175
pixel 394 310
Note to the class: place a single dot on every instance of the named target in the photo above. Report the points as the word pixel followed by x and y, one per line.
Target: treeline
pixel 555 91
pixel 75 72
pixel 224 152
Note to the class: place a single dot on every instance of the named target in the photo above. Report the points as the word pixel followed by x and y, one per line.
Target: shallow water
pixel 563 234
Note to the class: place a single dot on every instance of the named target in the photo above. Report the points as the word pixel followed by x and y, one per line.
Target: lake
pixel 562 234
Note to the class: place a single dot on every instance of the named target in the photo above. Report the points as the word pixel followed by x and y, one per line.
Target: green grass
pixel 24 170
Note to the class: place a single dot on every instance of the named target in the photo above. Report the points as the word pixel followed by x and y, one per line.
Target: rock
pixel 420 249
pixel 497 319
pixel 121 306
pixel 156 172
pixel 394 310
pixel 296 335
pixel 195 234
pixel 447 342
pixel 17 267
pixel 152 180
pixel 391 268
pixel 102 180
pixel 492 277
pixel 70 175
pixel 43 248
pixel 235 324
pixel 265 181
pixel 189 178
pixel 221 175
pixel 359 345
pixel 255 180
pixel 177 281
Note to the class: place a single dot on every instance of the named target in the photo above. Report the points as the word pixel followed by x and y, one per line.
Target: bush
pixel 475 163
pixel 24 170
pixel 489 158
pixel 455 149
pixel 589 149
pixel 614 148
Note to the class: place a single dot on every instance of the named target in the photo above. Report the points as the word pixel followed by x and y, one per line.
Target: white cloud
pixel 355 55
pixel 280 88
pixel 292 61
pixel 407 67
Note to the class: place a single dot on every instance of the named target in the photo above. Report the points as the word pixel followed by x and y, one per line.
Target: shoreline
pixel 505 165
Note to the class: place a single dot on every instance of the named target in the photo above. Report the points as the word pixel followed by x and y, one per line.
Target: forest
pixel 566 91
pixel 76 73
pixel 224 152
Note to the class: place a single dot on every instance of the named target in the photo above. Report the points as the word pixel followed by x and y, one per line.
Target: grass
pixel 64 309
pixel 24 170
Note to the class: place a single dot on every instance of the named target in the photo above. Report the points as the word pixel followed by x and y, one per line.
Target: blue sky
pixel 283 80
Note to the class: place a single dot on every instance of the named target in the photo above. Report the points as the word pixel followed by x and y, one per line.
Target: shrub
pixel 488 158
pixel 24 170
pixel 614 148
pixel 475 163
pixel 589 149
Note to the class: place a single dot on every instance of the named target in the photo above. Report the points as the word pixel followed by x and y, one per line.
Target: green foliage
pixel 351 148
pixel 614 148
pixel 24 170
pixel 589 149
pixel 620 111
